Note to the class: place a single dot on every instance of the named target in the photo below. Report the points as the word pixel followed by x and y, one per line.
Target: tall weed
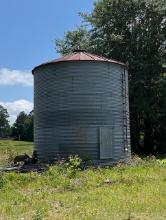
pixel 73 166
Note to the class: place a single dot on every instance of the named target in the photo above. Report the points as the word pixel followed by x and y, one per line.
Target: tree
pixel 28 127
pixel 4 123
pixel 133 31
pixel 74 40
pixel 22 129
pixel 18 126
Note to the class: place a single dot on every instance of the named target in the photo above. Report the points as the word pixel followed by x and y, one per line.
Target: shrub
pixel 73 165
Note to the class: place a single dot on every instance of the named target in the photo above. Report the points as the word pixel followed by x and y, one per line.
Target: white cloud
pixel 15 107
pixel 15 77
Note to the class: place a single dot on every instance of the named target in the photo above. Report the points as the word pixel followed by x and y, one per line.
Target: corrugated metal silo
pixel 81 107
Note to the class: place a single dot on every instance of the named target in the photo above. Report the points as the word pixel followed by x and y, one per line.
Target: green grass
pixel 136 192
pixel 9 149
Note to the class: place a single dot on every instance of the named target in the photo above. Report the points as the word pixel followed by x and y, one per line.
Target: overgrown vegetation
pixel 73 165
pixel 9 149
pixel 136 191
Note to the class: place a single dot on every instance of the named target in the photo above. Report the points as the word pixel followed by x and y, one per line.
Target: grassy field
pixel 9 149
pixel 136 191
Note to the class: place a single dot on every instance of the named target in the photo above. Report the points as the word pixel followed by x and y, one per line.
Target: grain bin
pixel 81 107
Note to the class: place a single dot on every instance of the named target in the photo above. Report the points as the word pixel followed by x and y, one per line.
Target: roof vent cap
pixel 79 50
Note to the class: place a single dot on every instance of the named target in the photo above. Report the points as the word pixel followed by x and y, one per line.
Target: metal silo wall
pixel 72 101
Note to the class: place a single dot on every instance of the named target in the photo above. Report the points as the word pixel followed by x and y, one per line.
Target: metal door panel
pixel 106 142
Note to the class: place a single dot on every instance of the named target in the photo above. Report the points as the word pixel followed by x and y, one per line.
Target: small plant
pixel 73 165
pixel 10 155
pixel 1 180
pixel 37 216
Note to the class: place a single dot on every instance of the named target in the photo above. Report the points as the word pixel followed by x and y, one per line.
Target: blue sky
pixel 28 29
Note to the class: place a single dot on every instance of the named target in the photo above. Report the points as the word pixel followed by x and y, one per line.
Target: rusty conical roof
pixel 80 55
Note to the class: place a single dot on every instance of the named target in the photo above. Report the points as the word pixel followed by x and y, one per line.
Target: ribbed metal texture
pixel 73 101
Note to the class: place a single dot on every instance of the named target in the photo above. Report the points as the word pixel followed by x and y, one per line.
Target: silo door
pixel 106 145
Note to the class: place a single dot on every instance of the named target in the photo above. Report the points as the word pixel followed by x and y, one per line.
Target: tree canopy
pixel 4 123
pixel 132 31
pixel 22 129
pixel 74 40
